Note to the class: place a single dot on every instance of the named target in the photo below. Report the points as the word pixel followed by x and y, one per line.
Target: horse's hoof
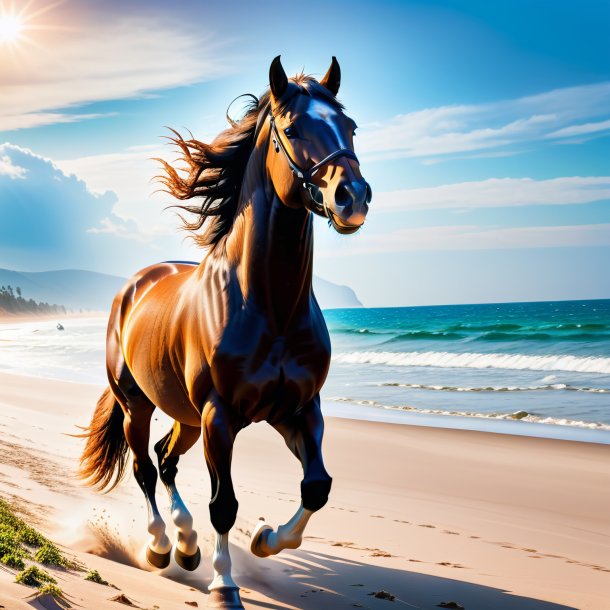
pixel 226 598
pixel 187 562
pixel 158 560
pixel 259 535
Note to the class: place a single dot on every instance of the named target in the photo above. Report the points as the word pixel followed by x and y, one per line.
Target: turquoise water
pixel 537 362
pixel 535 368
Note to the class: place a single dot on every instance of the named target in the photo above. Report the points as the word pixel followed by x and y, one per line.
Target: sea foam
pixel 470 360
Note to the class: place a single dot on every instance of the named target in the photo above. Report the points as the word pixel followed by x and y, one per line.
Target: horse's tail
pixel 103 462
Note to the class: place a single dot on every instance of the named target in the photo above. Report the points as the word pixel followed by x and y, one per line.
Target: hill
pixel 92 291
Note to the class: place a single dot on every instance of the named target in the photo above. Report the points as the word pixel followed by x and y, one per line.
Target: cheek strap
pixel 317 202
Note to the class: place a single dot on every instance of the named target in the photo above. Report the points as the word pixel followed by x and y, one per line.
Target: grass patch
pixel 51 589
pixel 21 531
pixel 50 555
pixel 95 576
pixel 34 577
pixel 17 538
pixel 13 561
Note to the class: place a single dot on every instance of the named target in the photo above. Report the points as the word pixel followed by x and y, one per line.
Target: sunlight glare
pixel 10 28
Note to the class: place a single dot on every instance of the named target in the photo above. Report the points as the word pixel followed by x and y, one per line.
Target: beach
pixel 428 515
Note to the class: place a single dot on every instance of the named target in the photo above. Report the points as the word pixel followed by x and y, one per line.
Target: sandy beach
pixel 429 515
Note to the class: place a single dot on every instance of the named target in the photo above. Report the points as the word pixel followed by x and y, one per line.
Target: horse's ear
pixel 332 79
pixel 278 81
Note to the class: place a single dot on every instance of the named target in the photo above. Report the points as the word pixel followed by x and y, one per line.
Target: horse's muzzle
pixel 351 205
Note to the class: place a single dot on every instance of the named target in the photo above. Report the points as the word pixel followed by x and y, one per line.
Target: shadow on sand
pixel 316 581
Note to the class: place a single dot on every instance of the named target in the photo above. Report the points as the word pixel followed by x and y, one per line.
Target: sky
pixel 484 131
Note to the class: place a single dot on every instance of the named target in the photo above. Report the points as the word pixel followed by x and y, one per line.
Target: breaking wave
pixel 449 388
pixel 469 360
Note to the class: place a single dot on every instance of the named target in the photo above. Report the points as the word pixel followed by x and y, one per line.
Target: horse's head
pixel 311 159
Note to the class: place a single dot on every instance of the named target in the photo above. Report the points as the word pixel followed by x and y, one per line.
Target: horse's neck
pixel 272 249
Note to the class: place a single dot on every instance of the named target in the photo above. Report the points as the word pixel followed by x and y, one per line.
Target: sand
pixel 429 515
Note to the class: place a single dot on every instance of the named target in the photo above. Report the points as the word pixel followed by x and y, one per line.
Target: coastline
pixel 7 318
pixel 429 514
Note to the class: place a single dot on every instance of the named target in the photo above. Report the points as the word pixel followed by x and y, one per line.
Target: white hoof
pixel 259 538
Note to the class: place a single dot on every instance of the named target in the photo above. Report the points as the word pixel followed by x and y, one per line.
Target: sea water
pixel 535 368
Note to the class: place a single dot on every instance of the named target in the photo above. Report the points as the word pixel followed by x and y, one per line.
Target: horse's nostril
pixel 369 193
pixel 343 195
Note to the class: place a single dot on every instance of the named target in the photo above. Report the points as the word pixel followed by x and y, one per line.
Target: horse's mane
pixel 215 171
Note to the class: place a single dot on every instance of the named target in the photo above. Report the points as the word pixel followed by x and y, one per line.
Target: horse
pixel 239 337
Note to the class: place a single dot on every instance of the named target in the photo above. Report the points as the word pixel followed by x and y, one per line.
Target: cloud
pixel 579 130
pixel 447 130
pixel 498 192
pixel 106 55
pixel 8 169
pixel 130 174
pixel 471 237
pixel 54 219
pixel 48 219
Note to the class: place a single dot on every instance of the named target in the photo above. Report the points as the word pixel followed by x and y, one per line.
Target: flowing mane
pixel 215 171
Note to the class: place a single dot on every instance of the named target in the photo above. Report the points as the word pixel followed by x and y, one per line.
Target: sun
pixel 11 27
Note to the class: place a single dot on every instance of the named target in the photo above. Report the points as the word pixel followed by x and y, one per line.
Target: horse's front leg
pixel 303 435
pixel 219 428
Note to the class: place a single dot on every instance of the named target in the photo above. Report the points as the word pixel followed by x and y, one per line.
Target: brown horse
pixel 238 338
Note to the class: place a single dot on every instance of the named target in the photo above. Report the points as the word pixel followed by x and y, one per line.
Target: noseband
pixel 317 203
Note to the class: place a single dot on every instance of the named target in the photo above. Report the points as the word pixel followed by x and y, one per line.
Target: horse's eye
pixel 290 132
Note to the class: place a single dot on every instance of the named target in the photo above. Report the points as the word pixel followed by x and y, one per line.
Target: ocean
pixel 540 369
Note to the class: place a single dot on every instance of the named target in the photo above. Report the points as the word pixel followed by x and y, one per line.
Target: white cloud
pixel 52 220
pixel 7 168
pixel 498 192
pixel 579 130
pixel 106 56
pixel 130 174
pixel 106 225
pixel 447 130
pixel 471 237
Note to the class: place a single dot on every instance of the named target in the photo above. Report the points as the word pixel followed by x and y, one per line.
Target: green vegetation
pixel 51 589
pixel 11 301
pixel 34 577
pixel 17 529
pixel 94 576
pixel 50 555
pixel 17 539
pixel 13 561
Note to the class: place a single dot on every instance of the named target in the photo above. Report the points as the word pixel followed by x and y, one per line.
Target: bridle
pixel 315 201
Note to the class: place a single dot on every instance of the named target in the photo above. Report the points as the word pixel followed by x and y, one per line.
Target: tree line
pixel 12 301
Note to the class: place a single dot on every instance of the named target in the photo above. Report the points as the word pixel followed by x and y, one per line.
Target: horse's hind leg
pixel 169 449
pixel 303 435
pixel 138 412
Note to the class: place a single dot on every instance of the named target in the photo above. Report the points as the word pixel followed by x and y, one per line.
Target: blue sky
pixel 484 132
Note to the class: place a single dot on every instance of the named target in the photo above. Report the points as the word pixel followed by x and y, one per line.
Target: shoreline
pixel 484 424
pixel 397 416
pixel 428 514
pixel 7 318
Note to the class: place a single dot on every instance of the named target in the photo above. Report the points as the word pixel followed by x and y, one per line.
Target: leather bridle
pixel 315 200
pixel 317 203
